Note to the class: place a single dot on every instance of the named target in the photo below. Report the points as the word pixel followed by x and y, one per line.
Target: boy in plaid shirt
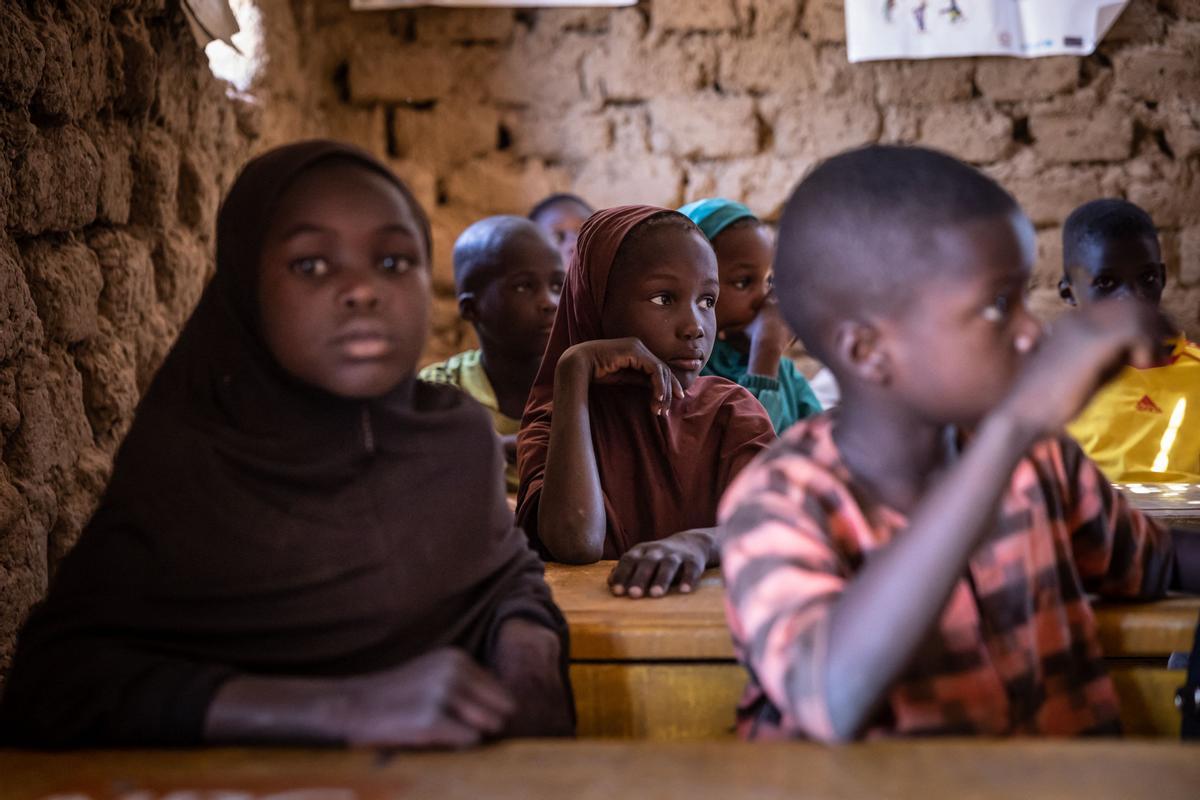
pixel 917 561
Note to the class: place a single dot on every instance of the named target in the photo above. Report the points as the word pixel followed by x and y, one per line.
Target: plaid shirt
pixel 1015 650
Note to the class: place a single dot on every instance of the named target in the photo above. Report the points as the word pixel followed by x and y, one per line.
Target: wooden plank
pixel 1148 629
pixel 659 702
pixel 603 627
pixel 602 770
pixel 1148 699
pixel 692 627
pixel 696 702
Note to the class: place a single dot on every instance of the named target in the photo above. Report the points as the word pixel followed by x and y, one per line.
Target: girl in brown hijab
pixel 624 449
pixel 282 554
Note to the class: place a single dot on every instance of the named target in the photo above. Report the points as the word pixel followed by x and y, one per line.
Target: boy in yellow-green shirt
pixel 508 276
pixel 1144 426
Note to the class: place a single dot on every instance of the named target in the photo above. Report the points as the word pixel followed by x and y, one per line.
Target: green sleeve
pixel 787 399
pixel 769 392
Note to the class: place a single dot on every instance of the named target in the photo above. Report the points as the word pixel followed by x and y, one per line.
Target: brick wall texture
pixel 115 145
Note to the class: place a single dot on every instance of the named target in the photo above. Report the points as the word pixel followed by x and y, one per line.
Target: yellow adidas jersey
pixel 1144 426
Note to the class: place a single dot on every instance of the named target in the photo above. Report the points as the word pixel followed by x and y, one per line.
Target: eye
pixel 315 267
pixel 396 264
pixel 1150 278
pixel 661 299
pixel 741 283
pixel 1104 284
pixel 556 285
pixel 708 301
pixel 523 286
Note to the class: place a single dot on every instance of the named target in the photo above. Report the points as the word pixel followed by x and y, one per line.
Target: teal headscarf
pixel 714 214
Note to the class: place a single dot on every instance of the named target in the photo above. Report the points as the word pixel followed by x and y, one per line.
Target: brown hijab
pixel 658 475
pixel 254 524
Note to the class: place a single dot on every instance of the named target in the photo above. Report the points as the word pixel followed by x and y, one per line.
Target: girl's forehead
pixel 341 189
pixel 669 250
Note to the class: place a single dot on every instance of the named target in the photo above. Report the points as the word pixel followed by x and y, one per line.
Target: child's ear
pixel 1066 292
pixel 860 347
pixel 466 306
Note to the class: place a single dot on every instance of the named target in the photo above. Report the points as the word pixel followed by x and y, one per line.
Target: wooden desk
pixel 930 769
pixel 664 668
pixel 1172 504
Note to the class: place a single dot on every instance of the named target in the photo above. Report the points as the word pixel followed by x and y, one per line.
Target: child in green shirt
pixel 751 333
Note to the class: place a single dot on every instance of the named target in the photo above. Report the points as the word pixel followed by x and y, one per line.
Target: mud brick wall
pixel 486 111
pixel 115 146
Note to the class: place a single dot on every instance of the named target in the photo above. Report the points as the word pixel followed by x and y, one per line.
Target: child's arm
pixel 650 569
pixel 528 660
pixel 879 621
pixel 770 377
pixel 440 699
pixel 571 520
pixel 769 340
pixel 526 648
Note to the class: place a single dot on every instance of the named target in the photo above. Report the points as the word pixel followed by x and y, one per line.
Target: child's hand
pixel 440 699
pixel 1078 355
pixel 769 327
pixel 650 569
pixel 770 337
pixel 624 361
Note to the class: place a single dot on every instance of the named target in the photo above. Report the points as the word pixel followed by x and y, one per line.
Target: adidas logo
pixel 1148 405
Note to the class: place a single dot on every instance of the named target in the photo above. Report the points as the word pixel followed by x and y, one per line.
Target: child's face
pixel 344 282
pixel 953 355
pixel 563 221
pixel 1129 267
pixel 667 297
pixel 515 312
pixel 744 256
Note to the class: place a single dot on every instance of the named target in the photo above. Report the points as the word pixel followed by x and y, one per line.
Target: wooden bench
pixel 604 770
pixel 664 668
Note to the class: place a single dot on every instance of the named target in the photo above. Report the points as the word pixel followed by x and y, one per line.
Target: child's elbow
pixel 573 539
pixel 574 551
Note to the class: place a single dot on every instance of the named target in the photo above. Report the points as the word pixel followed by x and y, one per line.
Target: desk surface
pixel 1170 503
pixel 692 627
pixel 612 770
pixel 604 627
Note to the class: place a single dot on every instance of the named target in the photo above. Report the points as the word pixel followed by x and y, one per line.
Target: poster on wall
pixel 373 5
pixel 888 29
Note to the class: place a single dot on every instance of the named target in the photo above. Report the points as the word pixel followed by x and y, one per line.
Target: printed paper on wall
pixel 887 29
pixel 370 5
